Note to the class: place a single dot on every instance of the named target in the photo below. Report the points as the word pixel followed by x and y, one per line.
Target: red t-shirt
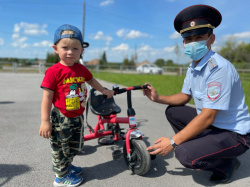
pixel 69 86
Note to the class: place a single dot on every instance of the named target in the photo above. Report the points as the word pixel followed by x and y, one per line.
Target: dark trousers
pixel 212 150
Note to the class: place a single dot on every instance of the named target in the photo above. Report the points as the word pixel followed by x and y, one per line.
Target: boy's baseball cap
pixel 76 33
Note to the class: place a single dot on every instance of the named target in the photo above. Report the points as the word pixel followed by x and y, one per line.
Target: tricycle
pixel 108 130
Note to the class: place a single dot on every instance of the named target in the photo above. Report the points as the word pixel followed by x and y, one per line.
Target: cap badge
pixel 192 24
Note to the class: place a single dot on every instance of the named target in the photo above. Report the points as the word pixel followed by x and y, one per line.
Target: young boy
pixel 64 86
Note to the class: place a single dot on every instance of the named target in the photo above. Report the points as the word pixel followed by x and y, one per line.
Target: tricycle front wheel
pixel 140 161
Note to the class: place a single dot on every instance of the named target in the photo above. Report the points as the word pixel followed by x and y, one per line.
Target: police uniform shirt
pixel 214 83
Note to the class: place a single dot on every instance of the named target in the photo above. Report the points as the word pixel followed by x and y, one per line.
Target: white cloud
pixel 169 49
pixel 105 48
pixel 32 29
pixel 122 47
pixel 131 34
pixel 144 52
pixel 216 47
pixel 243 35
pixel 121 33
pixel 17 28
pixel 136 34
pixel 19 41
pixel 1 41
pixel 107 2
pixel 15 36
pixel 175 35
pixel 145 48
pixel 44 43
pixel 100 36
pixel 24 45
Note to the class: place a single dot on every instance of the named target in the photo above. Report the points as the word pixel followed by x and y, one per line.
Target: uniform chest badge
pixel 213 90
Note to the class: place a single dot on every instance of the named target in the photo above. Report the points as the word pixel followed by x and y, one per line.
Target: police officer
pixel 211 136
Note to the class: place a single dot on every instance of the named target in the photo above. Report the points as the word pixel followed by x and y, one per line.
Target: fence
pixel 167 70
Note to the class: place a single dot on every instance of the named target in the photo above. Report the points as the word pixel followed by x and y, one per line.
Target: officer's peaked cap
pixel 197 20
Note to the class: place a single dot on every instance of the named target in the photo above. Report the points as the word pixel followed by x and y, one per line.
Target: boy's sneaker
pixel 75 170
pixel 70 180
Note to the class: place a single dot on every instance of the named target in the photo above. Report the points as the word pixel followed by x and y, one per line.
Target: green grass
pixel 246 87
pixel 164 84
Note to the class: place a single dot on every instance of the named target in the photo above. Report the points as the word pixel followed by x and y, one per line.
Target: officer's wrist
pixel 173 143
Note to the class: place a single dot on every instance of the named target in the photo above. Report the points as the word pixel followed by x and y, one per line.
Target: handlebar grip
pixel 145 86
pixel 122 90
pixel 140 87
pixel 104 96
pixel 137 87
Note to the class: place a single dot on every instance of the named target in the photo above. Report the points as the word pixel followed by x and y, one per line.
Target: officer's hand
pixel 162 147
pixel 150 92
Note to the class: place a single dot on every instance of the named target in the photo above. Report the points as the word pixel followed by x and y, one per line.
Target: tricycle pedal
pixel 117 155
pixel 106 140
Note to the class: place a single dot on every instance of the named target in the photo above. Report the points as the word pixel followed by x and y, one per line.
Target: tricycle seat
pixel 101 106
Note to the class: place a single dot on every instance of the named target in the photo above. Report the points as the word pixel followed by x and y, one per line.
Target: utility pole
pixel 136 57
pixel 83 28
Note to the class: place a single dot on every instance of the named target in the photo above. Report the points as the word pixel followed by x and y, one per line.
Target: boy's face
pixel 69 50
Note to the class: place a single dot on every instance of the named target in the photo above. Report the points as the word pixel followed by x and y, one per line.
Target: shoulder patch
pixel 214 90
pixel 212 63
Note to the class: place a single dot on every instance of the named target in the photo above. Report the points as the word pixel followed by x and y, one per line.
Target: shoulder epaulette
pixel 212 63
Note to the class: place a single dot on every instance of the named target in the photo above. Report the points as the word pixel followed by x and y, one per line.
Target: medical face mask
pixel 196 50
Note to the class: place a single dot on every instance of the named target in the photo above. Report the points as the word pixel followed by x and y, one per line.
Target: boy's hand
pixel 45 129
pixel 108 93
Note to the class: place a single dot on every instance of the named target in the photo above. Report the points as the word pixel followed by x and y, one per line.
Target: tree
pixel 132 61
pixel 177 53
pixel 103 60
pixel 242 53
pixel 125 62
pixel 52 58
pixel 235 53
pixel 227 51
pixel 128 63
pixel 160 62
pixel 169 63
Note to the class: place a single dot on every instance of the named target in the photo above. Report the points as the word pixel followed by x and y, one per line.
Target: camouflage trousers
pixel 66 140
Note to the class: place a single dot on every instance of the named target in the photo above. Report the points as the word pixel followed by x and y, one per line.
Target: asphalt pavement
pixel 25 159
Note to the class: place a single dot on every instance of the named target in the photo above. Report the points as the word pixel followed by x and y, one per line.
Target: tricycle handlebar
pixel 117 90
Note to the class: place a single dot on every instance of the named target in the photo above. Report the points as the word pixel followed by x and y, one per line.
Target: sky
pixel 118 27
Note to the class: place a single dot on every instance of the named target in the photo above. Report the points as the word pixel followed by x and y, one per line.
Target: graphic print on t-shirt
pixel 83 94
pixel 75 93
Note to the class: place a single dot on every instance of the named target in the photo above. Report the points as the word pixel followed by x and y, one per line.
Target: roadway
pixel 25 156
